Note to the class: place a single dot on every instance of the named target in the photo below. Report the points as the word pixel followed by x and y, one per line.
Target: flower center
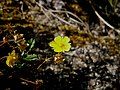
pixel 62 45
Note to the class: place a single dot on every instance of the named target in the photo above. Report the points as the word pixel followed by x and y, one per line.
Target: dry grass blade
pixel 51 12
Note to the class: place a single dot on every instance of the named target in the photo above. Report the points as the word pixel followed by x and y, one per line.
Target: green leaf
pixel 30 57
pixel 31 43
pixel 113 3
pixel 1 11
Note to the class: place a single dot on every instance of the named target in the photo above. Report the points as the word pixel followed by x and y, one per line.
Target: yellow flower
pixel 60 44
pixel 12 58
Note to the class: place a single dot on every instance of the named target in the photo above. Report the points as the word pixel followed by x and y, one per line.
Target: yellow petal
pixel 52 44
pixel 12 53
pixel 65 39
pixel 57 49
pixel 67 47
pixel 9 61
pixel 58 39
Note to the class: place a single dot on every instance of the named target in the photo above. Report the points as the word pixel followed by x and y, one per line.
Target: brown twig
pixel 28 81
pixel 42 63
